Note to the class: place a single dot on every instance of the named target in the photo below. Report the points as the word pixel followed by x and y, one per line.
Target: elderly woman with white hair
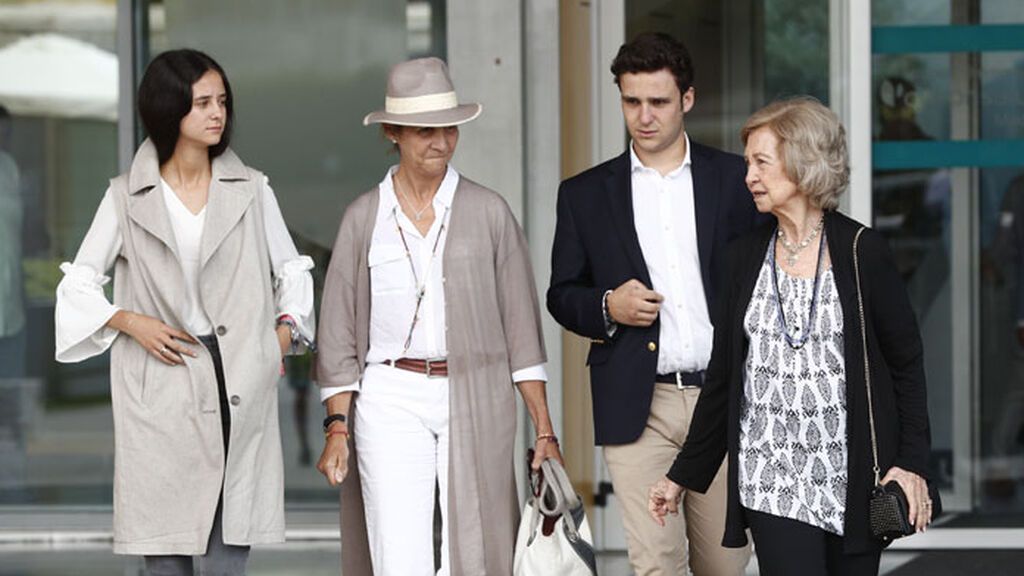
pixel 429 321
pixel 808 429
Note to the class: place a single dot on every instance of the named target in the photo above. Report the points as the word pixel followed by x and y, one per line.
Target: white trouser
pixel 402 436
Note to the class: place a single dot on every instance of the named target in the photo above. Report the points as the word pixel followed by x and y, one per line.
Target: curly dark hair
pixel 653 51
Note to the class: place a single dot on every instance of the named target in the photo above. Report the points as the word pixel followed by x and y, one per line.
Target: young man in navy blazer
pixel 634 267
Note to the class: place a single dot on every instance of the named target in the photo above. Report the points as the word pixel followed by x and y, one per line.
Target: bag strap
pixel 867 368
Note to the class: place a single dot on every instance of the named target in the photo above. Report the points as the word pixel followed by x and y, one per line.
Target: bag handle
pixel 867 368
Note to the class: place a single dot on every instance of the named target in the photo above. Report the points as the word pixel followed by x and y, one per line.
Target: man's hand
pixel 633 304
pixel 663 498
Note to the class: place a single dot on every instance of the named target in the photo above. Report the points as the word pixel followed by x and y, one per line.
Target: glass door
pixel 948 161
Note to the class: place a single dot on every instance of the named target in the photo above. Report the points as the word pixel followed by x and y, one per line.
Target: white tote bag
pixel 554 537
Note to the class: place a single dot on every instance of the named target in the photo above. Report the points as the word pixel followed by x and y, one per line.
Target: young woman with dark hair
pixel 210 294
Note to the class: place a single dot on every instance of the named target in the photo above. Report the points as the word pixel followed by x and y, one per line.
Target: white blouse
pixel 82 309
pixel 393 285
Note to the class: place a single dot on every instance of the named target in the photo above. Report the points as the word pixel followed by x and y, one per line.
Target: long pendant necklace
pixel 798 342
pixel 421 286
pixel 794 251
pixel 417 214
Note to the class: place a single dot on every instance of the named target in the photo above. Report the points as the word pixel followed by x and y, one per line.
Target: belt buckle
pixel 679 380
pixel 426 366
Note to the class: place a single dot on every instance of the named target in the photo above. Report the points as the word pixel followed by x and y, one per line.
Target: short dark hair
pixel 653 51
pixel 165 97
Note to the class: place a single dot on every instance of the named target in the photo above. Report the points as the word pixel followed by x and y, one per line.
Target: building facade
pixel 931 92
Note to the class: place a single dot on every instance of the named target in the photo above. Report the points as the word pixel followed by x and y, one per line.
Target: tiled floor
pixel 323 559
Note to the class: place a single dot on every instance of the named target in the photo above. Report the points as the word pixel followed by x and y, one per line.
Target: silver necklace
pixel 417 214
pixel 794 251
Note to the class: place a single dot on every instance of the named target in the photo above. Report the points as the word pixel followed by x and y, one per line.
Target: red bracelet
pixel 342 432
pixel 551 437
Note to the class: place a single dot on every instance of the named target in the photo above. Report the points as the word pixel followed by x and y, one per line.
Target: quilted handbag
pixel 888 509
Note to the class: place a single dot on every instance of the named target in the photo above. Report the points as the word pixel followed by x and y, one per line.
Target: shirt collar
pixel 443 198
pixel 636 165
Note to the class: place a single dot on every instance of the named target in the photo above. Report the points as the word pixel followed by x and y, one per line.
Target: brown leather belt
pixel 432 368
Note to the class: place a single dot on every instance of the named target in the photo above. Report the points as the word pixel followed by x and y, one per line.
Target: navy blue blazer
pixel 596 249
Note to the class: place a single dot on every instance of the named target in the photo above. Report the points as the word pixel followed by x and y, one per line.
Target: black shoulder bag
pixel 889 512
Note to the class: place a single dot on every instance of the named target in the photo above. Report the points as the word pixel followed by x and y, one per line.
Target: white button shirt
pixel 665 219
pixel 393 285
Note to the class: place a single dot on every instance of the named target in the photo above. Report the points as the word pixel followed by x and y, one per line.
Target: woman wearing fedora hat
pixel 429 316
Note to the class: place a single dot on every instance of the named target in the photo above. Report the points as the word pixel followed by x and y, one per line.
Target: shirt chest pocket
pixel 389 269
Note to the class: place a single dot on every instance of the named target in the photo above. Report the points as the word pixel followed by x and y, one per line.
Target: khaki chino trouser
pixel 695 535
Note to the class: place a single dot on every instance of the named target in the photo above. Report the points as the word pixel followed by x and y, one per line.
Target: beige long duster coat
pixel 169 465
pixel 494 328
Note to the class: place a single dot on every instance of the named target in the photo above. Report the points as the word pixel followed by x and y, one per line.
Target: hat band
pixel 418 104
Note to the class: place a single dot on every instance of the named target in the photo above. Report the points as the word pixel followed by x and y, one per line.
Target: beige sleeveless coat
pixel 494 328
pixel 169 458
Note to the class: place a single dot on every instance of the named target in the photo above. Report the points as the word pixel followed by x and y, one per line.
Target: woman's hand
pixel 546 446
pixel 284 338
pixel 663 499
pixel 333 462
pixel 916 490
pixel 163 342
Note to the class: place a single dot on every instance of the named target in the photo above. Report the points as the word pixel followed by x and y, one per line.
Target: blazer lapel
pixel 840 249
pixel 145 202
pixel 230 196
pixel 750 271
pixel 705 204
pixel 619 189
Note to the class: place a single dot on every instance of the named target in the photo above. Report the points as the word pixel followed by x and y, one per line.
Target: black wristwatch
pixel 334 418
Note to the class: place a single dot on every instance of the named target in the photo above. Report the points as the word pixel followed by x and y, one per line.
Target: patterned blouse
pixel 792 456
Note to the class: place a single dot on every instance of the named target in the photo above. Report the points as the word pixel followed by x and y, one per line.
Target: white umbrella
pixel 54 75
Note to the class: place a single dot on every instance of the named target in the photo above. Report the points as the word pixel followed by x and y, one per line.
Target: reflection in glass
pixel 912 208
pixel 58 79
pixel 1001 218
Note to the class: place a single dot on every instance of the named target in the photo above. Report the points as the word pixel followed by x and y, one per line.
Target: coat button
pixel 652 346
pixel 235 400
pixel 221 330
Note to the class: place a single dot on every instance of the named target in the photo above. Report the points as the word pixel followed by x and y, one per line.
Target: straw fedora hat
pixel 420 93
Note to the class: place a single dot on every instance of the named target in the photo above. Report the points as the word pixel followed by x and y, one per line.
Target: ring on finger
pixel 164 350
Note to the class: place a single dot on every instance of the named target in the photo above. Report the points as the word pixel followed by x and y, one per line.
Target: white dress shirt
pixel 393 286
pixel 666 225
pixel 82 309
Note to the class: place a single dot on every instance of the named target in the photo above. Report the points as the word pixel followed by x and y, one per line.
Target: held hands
pixel 333 462
pixel 633 304
pixel 916 490
pixel 663 499
pixel 163 342
pixel 546 446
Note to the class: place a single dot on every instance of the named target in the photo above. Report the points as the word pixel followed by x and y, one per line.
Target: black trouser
pixel 220 559
pixel 787 547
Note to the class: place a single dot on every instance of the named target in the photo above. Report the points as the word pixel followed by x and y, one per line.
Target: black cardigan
pixel 897 377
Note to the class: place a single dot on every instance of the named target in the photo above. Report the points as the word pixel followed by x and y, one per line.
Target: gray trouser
pixel 220 559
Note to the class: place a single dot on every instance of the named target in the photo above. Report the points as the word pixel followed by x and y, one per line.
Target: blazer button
pixel 652 346
pixel 221 330
pixel 235 400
